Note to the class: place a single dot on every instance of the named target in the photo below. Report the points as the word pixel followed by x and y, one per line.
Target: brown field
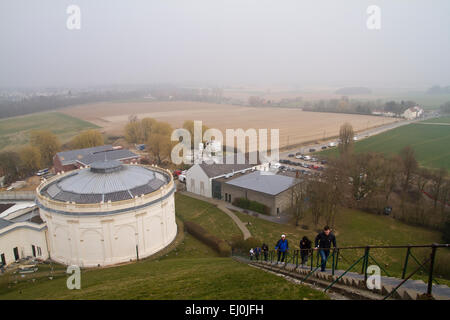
pixel 295 126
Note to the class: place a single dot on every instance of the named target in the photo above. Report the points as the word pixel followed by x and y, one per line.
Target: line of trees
pixel 154 134
pixel 39 152
pixel 373 182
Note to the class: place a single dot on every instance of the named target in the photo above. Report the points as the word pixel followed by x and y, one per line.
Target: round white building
pixel 108 213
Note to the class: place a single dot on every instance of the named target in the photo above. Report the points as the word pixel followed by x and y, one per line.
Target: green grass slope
pixel 206 215
pixel 192 271
pixel 14 132
pixel 357 228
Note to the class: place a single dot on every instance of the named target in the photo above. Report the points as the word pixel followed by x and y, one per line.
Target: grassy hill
pixel 14 132
pixel 357 228
pixel 430 143
pixel 191 270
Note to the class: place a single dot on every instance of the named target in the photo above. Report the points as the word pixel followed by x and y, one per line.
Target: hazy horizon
pixel 286 43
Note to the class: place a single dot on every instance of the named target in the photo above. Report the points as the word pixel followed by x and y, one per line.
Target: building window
pixel 278 211
pixel 226 196
pixel 39 251
pixel 229 198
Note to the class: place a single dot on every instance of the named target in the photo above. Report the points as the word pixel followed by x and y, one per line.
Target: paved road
pixel 360 135
pixel 221 206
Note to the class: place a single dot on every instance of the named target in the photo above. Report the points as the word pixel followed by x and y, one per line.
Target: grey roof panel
pixel 215 170
pixel 70 157
pixel 92 186
pixel 118 154
pixel 271 184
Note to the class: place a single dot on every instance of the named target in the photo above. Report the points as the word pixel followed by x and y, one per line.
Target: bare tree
pixel 299 197
pixel 346 135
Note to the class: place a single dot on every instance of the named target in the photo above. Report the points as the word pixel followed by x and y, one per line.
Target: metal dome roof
pixel 105 181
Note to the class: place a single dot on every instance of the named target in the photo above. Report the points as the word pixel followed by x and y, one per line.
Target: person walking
pixel 305 248
pixel 282 247
pixel 265 250
pixel 323 242
pixel 257 253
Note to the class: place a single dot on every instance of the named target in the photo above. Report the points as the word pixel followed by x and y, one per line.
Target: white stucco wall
pixel 89 241
pixel 23 235
pixel 194 178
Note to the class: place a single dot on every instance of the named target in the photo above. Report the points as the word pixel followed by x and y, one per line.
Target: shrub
pixel 207 238
pixel 238 243
pixel 251 205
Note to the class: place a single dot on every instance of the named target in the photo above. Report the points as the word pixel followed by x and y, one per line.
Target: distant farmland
pixel 15 132
pixel 431 143
pixel 296 126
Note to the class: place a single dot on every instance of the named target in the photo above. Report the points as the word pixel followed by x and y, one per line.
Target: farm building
pixel 74 159
pixel 413 113
pixel 271 190
pixel 200 177
pixel 102 215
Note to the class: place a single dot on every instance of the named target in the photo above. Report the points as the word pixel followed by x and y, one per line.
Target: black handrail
pixel 293 257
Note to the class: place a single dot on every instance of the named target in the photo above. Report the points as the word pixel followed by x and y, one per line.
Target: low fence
pixel 17 195
pixel 337 254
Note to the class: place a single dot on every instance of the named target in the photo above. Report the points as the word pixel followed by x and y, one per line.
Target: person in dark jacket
pixel 305 248
pixel 323 243
pixel 282 247
pixel 265 250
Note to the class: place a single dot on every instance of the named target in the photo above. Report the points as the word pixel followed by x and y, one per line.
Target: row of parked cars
pixel 303 164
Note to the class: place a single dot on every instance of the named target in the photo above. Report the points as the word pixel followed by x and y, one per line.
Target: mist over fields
pixel 298 43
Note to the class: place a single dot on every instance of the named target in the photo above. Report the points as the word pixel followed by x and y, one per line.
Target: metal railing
pixel 336 254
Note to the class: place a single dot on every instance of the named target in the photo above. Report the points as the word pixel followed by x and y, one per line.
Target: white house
pixel 199 178
pixel 413 113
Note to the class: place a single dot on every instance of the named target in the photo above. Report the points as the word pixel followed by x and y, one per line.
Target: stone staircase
pixel 352 284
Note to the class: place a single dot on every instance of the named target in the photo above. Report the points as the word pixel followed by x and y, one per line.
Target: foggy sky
pixel 225 42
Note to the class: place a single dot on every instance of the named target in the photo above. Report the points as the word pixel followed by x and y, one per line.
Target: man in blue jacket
pixel 282 247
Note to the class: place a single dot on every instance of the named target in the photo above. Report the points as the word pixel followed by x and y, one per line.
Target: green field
pixel 14 132
pixel 430 143
pixel 438 120
pixel 206 215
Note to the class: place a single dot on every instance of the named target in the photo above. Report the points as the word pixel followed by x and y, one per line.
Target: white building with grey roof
pixel 107 213
pixel 200 177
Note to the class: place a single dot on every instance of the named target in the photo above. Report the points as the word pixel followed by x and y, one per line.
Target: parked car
pixel 298 153
pixel 307 157
pixel 42 172
pixel 323 162
pixel 312 150
pixel 324 147
pixel 291 155
pixel 176 173
pixel 298 157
